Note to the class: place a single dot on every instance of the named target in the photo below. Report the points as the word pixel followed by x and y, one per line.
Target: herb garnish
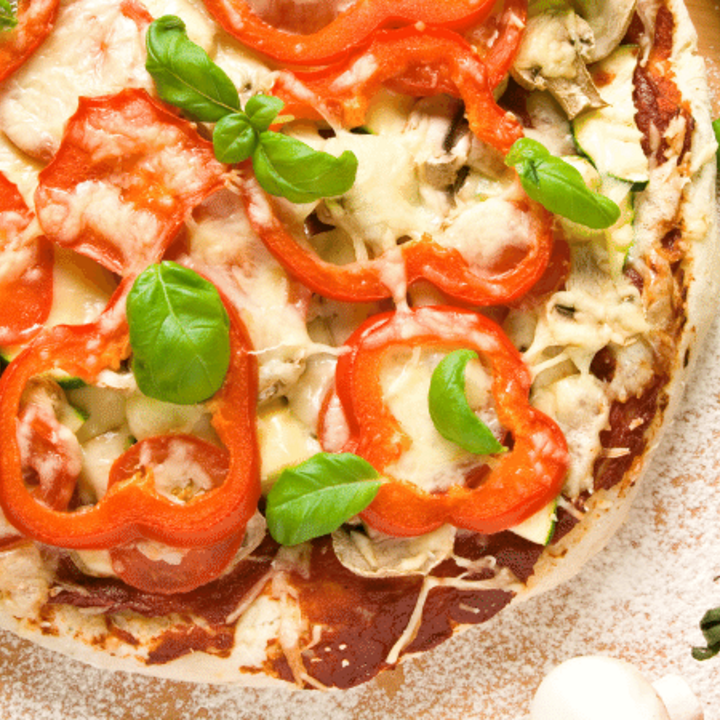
pixel 186 77
pixel 8 15
pixel 559 187
pixel 710 626
pixel 450 411
pixel 179 333
pixel 716 128
pixel 316 497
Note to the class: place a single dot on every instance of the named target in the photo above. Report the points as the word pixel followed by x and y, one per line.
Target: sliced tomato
pixel 51 455
pixel 348 31
pixel 26 281
pixel 35 21
pixel 182 570
pixel 127 175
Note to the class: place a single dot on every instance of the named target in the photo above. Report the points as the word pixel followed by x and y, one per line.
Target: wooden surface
pixel 641 600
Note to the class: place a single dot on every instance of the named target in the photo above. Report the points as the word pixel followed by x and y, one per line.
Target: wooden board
pixel 641 600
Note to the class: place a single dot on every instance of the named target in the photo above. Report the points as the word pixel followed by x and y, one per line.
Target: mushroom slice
pixel 609 21
pixel 552 57
pixel 372 554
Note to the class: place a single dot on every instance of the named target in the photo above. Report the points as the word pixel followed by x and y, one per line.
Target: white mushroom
pixel 373 554
pixel 609 21
pixel 598 688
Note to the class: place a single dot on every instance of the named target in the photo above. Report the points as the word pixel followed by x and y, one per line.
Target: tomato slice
pixel 182 570
pixel 35 21
pixel 26 280
pixel 127 175
pixel 51 455
pixel 349 30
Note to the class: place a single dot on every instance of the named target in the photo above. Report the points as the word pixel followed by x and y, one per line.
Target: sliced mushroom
pixel 609 21
pixel 552 56
pixel 372 554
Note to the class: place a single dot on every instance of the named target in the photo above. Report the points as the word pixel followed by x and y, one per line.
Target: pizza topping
pixel 8 16
pixel 35 20
pixel 185 76
pixel 26 269
pixel 506 494
pixel 127 175
pixel 317 496
pixel 179 334
pixel 96 49
pixel 559 187
pixel 352 28
pixel 132 510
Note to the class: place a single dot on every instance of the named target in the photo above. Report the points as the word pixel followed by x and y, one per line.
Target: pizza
pixel 332 329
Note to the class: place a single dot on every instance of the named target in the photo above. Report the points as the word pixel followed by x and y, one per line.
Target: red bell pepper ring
pixel 126 177
pixel 372 280
pixel 26 283
pixel 134 509
pixel 416 62
pixel 35 21
pixel 521 481
pixel 197 566
pixel 349 30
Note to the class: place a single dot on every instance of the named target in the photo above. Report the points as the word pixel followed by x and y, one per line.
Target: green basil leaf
pixel 291 169
pixel 234 138
pixel 262 110
pixel 316 497
pixel 184 75
pixel 710 626
pixel 450 411
pixel 8 15
pixel 179 333
pixel 716 128
pixel 559 187
pixel 525 149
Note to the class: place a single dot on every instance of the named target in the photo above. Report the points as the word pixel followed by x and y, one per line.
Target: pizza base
pixel 75 633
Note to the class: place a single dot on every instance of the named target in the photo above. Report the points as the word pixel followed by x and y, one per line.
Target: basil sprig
pixel 716 128
pixel 8 15
pixel 710 626
pixel 316 497
pixel 179 333
pixel 186 77
pixel 559 187
pixel 450 411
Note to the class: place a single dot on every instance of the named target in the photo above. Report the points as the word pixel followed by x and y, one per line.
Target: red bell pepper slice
pixel 35 21
pixel 349 30
pixel 134 509
pixel 126 177
pixel 26 282
pixel 521 481
pixel 416 62
pixel 197 566
pixel 366 281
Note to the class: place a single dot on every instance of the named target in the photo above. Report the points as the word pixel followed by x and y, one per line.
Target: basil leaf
pixel 525 149
pixel 316 497
pixel 716 128
pixel 262 110
pixel 184 75
pixel 234 138
pixel 450 411
pixel 288 167
pixel 179 333
pixel 8 15
pixel 559 187
pixel 710 626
